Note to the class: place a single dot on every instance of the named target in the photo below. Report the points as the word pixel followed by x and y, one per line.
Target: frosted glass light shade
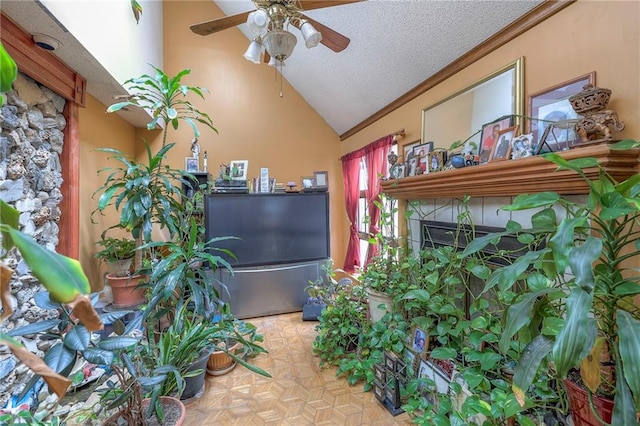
pixel 311 36
pixel 279 44
pixel 253 52
pixel 258 20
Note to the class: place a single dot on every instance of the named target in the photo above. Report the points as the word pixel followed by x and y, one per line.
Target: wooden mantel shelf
pixel 513 177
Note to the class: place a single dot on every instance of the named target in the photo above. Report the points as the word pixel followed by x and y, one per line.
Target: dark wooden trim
pixel 48 70
pixel 41 65
pixel 513 177
pixel 69 240
pixel 513 30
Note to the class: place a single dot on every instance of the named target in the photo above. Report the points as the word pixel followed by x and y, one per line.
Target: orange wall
pixel 97 130
pixel 588 35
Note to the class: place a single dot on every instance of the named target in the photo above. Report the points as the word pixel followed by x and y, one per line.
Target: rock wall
pixel 31 141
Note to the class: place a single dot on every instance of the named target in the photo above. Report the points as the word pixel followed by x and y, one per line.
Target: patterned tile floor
pixel 300 393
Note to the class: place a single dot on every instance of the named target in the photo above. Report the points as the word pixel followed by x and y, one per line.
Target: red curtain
pixel 376 161
pixel 375 155
pixel 351 182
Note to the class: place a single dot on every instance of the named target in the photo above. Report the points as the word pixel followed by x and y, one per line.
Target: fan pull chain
pixel 280 78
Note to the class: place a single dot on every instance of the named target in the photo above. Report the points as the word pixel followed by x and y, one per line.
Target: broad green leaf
pixel 624 412
pixel 624 145
pixel 551 326
pixel 581 259
pixel 563 240
pixel 478 244
pixel 519 315
pixel 443 353
pixel 629 346
pixel 578 334
pixel 528 365
pixel 118 343
pixel 614 206
pixel 77 338
pixel 35 327
pixel 544 219
pixel 626 288
pixel 60 358
pixel 61 275
pixel 8 216
pixel 98 356
pixel 530 201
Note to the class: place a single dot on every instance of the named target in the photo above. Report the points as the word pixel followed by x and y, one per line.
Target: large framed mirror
pixel 463 113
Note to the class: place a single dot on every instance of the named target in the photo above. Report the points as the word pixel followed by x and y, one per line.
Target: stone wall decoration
pixel 31 140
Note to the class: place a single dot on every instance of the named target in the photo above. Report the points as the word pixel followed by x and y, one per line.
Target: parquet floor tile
pixel 300 392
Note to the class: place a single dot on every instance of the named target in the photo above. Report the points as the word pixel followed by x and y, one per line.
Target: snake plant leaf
pixel 55 382
pixel 578 334
pixel 528 364
pixel 629 347
pixel 624 412
pixel 581 260
pixel 61 275
pixel 519 314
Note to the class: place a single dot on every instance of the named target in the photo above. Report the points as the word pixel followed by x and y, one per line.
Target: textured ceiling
pixel 395 45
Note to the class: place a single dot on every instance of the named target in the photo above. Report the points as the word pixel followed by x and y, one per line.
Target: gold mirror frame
pixel 447 110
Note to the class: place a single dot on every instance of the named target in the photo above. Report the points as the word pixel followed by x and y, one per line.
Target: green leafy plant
pixel 115 249
pixel 588 314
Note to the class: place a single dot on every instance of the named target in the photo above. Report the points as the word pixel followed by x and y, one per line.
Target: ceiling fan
pixel 268 21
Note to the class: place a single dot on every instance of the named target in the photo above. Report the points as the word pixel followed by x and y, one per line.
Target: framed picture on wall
pixel 191 164
pixel 321 179
pixel 552 105
pixel 407 150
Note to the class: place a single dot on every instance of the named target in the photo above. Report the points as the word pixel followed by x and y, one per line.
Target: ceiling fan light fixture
pixel 311 36
pixel 254 51
pixel 258 21
pixel 279 44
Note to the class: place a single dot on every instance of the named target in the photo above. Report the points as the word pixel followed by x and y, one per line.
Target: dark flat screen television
pixel 272 228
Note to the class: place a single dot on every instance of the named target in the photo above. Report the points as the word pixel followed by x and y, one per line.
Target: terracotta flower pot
pixel 581 408
pixel 220 363
pixel 125 292
pixel 173 409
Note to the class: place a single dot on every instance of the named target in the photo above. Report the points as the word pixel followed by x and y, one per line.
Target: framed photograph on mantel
pixel 238 169
pixel 552 105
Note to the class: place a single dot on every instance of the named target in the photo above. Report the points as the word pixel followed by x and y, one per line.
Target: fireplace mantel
pixel 513 177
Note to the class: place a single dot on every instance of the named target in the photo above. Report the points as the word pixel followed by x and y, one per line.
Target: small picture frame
pixel 429 371
pixel 411 360
pixel 390 361
pixel 238 169
pixel 437 160
pixel 522 146
pixel 397 171
pixel 407 150
pixel 419 341
pixel 422 152
pixel 412 166
pixel 321 179
pixel 502 147
pixel 378 390
pixel 490 134
pixel 307 182
pixel 191 164
pixel 380 373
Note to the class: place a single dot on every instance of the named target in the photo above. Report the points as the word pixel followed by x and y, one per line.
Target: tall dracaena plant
pixel 147 193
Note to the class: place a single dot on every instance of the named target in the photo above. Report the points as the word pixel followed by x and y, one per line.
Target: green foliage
pixel 115 249
pixel 597 244
pixel 8 72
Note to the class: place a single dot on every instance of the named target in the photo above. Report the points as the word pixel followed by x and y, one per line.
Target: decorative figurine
pixel 204 162
pixel 597 120
pixel 195 149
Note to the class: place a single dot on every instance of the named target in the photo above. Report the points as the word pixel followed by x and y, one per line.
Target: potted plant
pixel 152 185
pixel 578 302
pixel 117 254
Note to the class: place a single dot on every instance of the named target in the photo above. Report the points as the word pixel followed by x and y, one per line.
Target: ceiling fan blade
pixel 318 4
pixel 215 25
pixel 330 38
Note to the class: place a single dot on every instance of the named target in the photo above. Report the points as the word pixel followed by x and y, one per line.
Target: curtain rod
pixel 398 134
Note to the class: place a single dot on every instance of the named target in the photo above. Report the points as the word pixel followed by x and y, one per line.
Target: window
pixel 390 207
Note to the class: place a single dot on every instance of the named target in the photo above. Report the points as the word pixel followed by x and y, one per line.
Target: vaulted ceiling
pixel 395 45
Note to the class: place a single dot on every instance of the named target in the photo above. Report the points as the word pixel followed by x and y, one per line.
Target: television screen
pixel 272 228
